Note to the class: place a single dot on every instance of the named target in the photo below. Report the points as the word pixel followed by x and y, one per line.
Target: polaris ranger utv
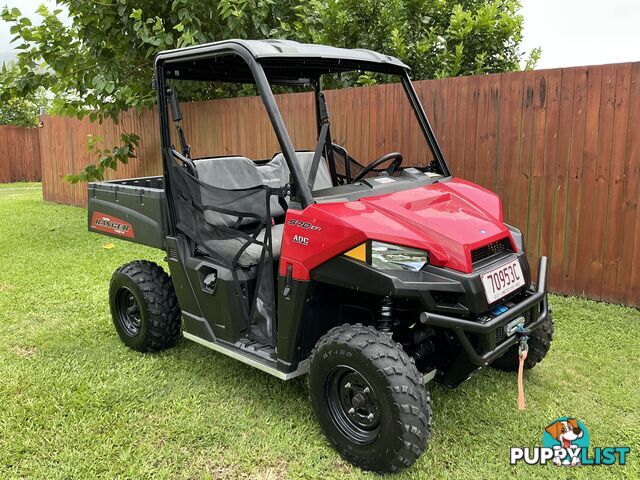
pixel 372 275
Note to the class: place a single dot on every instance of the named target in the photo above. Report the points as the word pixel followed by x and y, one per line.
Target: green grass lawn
pixel 76 403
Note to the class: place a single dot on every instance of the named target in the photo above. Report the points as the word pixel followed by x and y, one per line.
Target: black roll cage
pixel 189 55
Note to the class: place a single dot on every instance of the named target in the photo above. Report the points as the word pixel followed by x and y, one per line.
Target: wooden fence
pixel 561 147
pixel 19 154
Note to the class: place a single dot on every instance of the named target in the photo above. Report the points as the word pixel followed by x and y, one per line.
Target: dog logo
pixel 568 436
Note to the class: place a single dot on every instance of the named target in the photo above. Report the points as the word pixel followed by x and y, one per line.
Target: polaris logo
pixel 301 240
pixel 270 180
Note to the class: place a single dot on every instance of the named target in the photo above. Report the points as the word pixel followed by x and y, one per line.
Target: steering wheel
pixel 397 161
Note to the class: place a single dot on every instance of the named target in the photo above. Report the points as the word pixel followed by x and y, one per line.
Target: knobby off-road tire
pixel 357 367
pixel 539 345
pixel 144 307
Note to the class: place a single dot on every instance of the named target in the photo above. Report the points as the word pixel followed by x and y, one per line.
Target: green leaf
pixel 42 10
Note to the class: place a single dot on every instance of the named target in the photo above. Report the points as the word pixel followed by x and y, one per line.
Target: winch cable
pixel 523 349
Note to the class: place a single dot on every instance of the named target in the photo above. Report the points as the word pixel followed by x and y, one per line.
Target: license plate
pixel 503 280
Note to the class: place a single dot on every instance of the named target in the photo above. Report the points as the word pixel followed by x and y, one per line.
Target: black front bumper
pixel 486 350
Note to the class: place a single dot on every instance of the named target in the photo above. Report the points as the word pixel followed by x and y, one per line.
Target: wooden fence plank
pixel 468 153
pixel 628 277
pixel 601 183
pixel 549 175
pixel 513 138
pixel 563 158
pixel 578 132
pixel 19 154
pixel 615 181
pixel 588 177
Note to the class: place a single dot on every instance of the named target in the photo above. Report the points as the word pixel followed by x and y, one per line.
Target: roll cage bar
pixel 186 64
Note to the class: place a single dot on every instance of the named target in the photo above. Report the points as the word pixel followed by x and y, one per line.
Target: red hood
pixel 447 219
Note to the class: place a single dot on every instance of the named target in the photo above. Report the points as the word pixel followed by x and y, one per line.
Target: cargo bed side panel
pixel 132 210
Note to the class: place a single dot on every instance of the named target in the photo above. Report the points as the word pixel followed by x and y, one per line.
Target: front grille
pixel 490 250
pixel 500 335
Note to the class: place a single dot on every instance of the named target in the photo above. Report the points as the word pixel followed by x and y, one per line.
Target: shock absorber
pixel 385 320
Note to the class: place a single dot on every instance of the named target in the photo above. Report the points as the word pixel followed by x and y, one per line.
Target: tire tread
pixel 156 288
pixel 404 383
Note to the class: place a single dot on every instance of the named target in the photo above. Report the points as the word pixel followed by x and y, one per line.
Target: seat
pixel 237 172
pixel 305 160
pixel 234 173
pixel 228 248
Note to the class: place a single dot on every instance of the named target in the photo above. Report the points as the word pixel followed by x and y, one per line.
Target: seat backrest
pixel 323 177
pixel 233 173
pixel 275 172
pixel 305 159
pixel 228 172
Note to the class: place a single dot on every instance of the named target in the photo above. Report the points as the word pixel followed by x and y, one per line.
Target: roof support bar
pixel 302 189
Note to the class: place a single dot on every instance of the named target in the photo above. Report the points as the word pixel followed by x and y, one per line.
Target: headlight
pixel 385 256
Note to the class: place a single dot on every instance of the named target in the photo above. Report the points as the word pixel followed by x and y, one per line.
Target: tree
pixel 102 63
pixel 436 38
pixel 21 111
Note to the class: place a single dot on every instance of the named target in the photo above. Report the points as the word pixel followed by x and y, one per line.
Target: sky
pixel 570 32
pixel 582 32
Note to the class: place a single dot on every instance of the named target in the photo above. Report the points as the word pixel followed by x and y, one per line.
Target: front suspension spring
pixel 385 320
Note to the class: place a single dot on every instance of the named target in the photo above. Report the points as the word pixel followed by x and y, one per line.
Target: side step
pixel 245 355
pixel 258 349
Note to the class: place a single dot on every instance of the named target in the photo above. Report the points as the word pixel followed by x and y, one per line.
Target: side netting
pixel 233 227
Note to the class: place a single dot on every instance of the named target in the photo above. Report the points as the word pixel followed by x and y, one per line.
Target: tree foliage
pixel 100 61
pixel 21 111
pixel 106 157
pixel 436 38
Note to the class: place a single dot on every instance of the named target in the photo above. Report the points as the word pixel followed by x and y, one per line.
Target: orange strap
pixel 523 357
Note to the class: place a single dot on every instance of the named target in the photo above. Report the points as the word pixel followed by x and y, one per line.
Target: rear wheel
pixel 369 399
pixel 539 344
pixel 144 307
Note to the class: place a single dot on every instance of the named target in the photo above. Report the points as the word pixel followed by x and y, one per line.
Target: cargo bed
pixel 132 209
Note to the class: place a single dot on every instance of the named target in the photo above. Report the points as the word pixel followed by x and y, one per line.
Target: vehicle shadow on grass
pixel 492 393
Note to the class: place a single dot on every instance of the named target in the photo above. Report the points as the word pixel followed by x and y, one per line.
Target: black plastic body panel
pixel 221 306
pixel 467 320
pixel 137 204
pixel 213 313
pixel 438 289
pixel 293 314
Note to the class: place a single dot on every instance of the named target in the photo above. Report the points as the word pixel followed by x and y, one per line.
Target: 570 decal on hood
pixel 108 224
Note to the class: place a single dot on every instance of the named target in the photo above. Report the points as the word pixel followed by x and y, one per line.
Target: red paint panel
pixel 449 220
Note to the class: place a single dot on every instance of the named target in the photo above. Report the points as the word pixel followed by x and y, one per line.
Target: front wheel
pixel 369 399
pixel 144 307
